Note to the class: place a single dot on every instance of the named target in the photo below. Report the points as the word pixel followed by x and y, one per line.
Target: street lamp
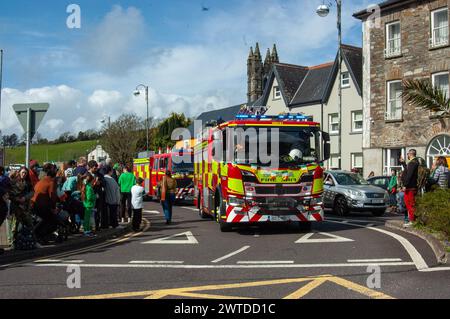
pixel 323 10
pixel 103 121
pixel 137 92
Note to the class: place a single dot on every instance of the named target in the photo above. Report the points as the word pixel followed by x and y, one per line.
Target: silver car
pixel 345 191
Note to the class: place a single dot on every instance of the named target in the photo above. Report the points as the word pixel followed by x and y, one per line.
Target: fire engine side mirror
pixel 326 146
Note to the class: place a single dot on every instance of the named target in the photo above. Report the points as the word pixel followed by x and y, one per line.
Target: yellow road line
pixel 191 292
pixel 359 289
pixel 208 296
pixel 303 291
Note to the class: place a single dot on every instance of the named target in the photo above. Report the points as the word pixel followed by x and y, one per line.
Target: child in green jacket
pixel 88 196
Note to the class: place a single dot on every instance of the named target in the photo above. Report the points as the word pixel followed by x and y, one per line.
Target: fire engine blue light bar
pixel 280 117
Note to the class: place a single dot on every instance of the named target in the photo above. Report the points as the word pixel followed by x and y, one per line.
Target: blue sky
pixel 193 60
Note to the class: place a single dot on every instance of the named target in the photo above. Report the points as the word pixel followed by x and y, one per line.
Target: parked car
pixel 346 191
pixel 380 181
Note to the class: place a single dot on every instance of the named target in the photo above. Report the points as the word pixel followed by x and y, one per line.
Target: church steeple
pixel 255 69
pixel 275 58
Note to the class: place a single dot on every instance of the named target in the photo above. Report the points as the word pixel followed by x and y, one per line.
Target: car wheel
pixel 378 212
pixel 341 207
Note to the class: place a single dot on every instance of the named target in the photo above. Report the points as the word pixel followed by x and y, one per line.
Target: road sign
pixel 37 111
pixel 30 117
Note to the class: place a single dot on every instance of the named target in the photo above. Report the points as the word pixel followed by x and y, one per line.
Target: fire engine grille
pixel 278 190
pixel 183 182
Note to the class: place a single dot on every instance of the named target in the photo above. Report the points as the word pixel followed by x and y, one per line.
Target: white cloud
pixel 111 46
pixel 207 73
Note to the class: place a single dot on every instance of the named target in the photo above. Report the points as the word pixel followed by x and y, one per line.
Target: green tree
pixel 423 94
pixel 123 138
pixel 163 132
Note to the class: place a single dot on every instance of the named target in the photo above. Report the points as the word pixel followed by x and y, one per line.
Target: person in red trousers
pixel 409 179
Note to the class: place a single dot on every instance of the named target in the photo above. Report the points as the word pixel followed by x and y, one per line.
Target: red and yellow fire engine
pixel 234 185
pixel 152 170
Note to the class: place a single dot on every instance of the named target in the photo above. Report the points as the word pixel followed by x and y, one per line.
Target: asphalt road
pixel 191 258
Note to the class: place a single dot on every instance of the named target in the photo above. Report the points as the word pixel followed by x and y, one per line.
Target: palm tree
pixel 422 93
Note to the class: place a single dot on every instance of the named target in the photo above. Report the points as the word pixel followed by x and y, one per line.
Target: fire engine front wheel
pixel 220 210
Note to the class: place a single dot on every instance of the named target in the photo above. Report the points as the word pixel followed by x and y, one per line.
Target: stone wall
pixel 417 61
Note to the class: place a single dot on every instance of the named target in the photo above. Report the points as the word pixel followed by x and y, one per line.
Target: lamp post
pixel 323 10
pixel 137 92
pixel 103 121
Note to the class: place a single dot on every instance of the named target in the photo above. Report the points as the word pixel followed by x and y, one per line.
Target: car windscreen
pixel 349 179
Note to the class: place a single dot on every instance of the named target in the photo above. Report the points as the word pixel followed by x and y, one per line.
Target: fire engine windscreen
pixel 276 146
pixel 183 164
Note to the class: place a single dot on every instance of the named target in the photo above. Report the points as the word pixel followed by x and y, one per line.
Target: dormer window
pixel 345 80
pixel 276 93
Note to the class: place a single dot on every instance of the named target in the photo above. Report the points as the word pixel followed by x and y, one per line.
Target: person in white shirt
pixel 112 196
pixel 137 199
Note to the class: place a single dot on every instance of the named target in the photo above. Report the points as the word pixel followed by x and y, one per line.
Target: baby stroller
pixel 74 207
pixel 63 223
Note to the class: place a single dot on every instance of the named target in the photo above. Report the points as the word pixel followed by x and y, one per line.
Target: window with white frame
pixel 333 162
pixel 393 39
pixel 392 159
pixel 333 120
pixel 439 28
pixel 345 80
pixel 357 160
pixel 440 80
pixel 394 105
pixel 276 93
pixel 357 121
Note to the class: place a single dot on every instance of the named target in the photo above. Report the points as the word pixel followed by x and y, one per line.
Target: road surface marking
pixel 155 262
pixel 373 260
pixel 436 269
pixel 189 239
pixel 108 243
pixel 153 212
pixel 201 291
pixel 237 266
pixel 418 260
pixel 346 221
pixel 303 291
pixel 231 254
pixel 266 262
pixel 48 261
pixel 332 239
pixel 190 208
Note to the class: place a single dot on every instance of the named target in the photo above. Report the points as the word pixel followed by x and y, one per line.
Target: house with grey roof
pixel 313 91
pixel 408 40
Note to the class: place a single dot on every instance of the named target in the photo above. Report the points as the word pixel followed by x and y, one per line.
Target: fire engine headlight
pixel 249 177
pixel 234 201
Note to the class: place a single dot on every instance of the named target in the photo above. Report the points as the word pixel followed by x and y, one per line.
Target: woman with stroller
pixel 20 195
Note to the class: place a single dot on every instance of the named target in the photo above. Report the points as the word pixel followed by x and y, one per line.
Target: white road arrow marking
pixel 332 239
pixel 190 239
